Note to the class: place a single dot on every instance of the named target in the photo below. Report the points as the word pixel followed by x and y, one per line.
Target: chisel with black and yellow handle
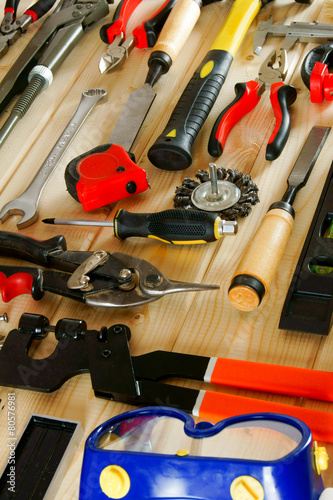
pixel 172 150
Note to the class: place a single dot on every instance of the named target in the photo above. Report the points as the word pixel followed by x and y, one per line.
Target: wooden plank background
pixel 198 323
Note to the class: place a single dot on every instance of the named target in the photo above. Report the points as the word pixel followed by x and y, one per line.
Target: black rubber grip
pixel 169 225
pixel 22 247
pixel 215 147
pixel 285 97
pixel 172 150
pixel 41 8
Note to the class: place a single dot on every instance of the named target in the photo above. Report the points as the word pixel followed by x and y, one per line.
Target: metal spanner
pixel 26 204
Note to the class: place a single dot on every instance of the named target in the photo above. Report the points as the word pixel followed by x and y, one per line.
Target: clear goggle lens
pixel 253 439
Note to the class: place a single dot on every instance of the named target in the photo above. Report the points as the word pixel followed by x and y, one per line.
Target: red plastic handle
pixel 279 379
pixel 140 32
pixel 14 285
pixel 108 177
pixel 216 406
pixel 121 18
pixel 246 99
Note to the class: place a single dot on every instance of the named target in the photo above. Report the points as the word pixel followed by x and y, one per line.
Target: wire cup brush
pixel 229 193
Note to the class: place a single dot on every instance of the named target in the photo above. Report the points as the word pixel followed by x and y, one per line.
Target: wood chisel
pixel 259 263
pixel 94 178
pixel 172 149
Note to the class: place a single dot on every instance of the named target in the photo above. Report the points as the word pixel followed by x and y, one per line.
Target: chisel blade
pixel 132 116
pixel 302 169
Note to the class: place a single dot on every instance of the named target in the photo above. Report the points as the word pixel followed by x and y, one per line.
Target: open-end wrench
pixel 26 204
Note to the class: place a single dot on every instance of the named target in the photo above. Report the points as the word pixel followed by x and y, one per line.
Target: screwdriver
pixel 169 226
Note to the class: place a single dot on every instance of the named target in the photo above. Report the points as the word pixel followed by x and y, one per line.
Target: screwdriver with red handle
pixel 169 226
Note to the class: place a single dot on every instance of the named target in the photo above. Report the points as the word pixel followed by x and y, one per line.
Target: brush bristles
pixel 249 192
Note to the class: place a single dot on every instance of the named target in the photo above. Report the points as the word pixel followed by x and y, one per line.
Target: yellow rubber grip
pixel 240 17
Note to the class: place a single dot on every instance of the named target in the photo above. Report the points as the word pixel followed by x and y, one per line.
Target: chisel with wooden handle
pixel 172 150
pixel 259 263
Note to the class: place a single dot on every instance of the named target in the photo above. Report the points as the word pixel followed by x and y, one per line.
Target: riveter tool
pixel 109 173
pixel 172 149
pixel 136 380
pixel 248 95
pixel 12 28
pixel 33 70
pixel 170 226
pixel 95 278
pixel 261 259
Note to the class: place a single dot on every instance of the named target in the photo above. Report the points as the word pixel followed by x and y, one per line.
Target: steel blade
pixel 307 158
pixel 132 116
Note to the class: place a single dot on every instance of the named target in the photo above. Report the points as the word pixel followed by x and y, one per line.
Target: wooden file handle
pixel 260 260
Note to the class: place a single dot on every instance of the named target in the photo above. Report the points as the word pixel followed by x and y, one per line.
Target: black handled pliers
pixel 12 28
pixel 271 74
pixel 143 36
pixel 95 278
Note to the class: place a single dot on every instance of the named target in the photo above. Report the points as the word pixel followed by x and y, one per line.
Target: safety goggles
pixel 162 453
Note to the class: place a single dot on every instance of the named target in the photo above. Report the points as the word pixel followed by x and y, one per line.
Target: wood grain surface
pixel 201 323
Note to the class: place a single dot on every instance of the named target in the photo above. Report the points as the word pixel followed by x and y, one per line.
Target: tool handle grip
pixel 11 6
pixel 216 406
pixel 172 150
pixel 123 12
pixel 266 377
pixel 176 30
pixel 170 226
pixel 261 259
pixel 147 32
pixel 39 9
pixel 22 247
pixel 282 96
pixel 15 281
pixel 246 99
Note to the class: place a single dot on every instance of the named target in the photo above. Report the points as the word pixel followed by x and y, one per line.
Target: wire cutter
pixel 143 36
pixel 140 380
pixel 95 278
pixel 248 95
pixel 11 28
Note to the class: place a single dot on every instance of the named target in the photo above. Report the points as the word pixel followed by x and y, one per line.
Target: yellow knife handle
pixel 260 261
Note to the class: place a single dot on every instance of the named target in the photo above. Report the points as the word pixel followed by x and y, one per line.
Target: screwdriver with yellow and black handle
pixel 180 227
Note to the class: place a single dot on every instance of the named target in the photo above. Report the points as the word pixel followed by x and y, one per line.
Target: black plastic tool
pixel 309 302
pixel 44 449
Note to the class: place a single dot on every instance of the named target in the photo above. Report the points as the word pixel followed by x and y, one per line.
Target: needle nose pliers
pixel 143 36
pixel 248 95
pixel 11 28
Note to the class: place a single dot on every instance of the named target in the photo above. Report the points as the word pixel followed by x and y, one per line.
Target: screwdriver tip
pixel 48 221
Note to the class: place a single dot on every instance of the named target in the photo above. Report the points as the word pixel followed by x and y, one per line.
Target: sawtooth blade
pixel 132 116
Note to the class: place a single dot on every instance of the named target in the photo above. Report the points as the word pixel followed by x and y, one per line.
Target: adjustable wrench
pixel 26 204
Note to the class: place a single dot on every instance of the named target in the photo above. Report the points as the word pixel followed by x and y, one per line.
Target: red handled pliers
pixel 143 36
pixel 11 28
pixel 248 95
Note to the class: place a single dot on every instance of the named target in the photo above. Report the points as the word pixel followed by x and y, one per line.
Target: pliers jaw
pixel 273 69
pixel 117 53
